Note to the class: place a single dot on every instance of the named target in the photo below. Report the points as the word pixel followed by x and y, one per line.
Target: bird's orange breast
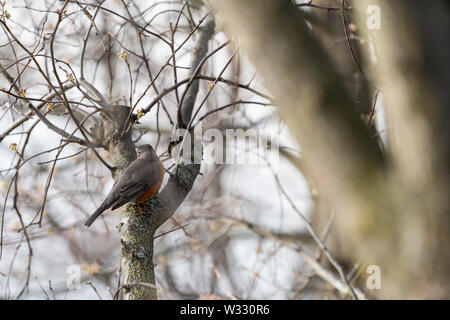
pixel 153 189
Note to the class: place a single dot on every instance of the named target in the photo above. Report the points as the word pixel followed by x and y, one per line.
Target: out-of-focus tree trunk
pixel 392 209
pixel 413 63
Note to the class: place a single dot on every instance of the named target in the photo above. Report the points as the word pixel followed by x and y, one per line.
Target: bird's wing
pixel 136 179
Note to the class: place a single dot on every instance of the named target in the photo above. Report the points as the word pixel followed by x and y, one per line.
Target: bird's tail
pixel 104 206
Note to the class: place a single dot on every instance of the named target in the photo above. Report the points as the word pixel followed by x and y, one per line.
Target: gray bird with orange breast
pixel 138 182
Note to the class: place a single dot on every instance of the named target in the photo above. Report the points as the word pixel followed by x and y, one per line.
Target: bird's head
pixel 145 150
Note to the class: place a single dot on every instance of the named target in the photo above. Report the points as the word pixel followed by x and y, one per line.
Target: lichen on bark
pixel 136 237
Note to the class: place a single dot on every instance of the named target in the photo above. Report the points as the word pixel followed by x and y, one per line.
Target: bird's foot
pixel 140 209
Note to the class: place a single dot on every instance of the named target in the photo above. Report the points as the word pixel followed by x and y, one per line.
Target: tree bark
pixel 137 231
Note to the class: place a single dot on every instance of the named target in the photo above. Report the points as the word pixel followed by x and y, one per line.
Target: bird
pixel 138 182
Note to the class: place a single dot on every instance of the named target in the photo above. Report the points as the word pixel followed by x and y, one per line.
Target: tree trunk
pixel 392 209
pixel 137 231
